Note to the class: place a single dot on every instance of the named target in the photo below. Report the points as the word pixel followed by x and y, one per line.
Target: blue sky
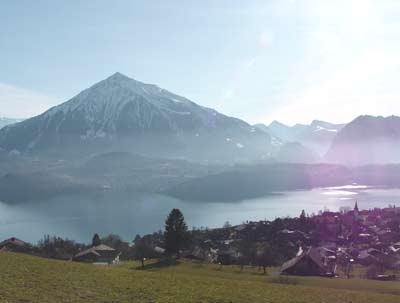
pixel 288 60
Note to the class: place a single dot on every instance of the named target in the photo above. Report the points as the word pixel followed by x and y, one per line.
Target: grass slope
pixel 31 279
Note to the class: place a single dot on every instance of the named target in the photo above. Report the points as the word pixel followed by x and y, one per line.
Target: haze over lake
pixel 127 215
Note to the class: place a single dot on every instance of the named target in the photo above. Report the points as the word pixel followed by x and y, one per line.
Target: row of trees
pixel 174 239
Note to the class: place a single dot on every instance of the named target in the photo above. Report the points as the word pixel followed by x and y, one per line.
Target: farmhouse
pixel 14 244
pixel 310 262
pixel 100 254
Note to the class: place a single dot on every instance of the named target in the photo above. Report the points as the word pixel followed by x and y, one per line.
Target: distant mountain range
pixel 365 140
pixel 316 136
pixel 122 114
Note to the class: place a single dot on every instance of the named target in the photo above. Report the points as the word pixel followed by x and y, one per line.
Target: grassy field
pixel 31 279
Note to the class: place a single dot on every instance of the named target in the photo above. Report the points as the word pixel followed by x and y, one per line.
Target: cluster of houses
pixel 322 245
pixel 340 240
pixel 369 238
pixel 326 244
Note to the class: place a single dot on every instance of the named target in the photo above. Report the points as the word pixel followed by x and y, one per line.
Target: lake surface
pixel 80 217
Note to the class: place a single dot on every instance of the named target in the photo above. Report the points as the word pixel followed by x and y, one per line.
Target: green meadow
pixel 31 279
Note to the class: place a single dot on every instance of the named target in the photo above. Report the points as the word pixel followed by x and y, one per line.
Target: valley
pixel 122 143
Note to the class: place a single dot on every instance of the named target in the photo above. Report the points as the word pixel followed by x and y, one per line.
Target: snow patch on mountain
pixel 320 128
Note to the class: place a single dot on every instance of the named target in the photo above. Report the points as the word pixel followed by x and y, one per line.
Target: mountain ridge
pixel 367 140
pixel 316 136
pixel 121 113
pixel 4 121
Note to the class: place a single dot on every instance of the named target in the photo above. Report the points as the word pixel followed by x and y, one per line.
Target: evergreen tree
pixel 302 221
pixel 137 239
pixel 96 240
pixel 303 217
pixel 175 235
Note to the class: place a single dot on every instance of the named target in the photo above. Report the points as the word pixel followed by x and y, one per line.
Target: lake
pixel 80 217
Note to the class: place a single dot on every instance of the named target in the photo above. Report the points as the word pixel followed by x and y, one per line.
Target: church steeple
pixel 355 211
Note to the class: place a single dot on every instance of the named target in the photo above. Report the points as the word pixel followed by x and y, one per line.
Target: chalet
pixel 100 254
pixel 310 262
pixel 14 244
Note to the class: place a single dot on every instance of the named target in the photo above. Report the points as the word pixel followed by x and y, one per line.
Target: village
pixel 351 243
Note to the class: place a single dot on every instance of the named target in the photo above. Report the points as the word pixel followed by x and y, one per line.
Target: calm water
pixel 127 215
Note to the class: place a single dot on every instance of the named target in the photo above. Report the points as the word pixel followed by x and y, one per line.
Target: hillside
pixel 367 140
pixel 294 152
pixel 31 279
pixel 7 121
pixel 246 182
pixel 113 173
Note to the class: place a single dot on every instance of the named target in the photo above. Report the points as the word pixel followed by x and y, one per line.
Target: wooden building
pixel 310 262
pixel 15 245
pixel 101 254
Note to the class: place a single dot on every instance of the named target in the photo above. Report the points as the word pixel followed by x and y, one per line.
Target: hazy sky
pixel 289 60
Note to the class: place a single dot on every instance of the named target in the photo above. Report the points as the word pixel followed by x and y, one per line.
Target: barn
pixel 100 254
pixel 15 245
pixel 309 262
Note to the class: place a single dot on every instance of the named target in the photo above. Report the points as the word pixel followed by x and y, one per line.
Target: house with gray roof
pixel 100 254
pixel 308 262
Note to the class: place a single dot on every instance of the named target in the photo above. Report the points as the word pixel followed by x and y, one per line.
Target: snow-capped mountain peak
pixel 122 113
pixel 316 136
pixel 104 103
pixel 117 76
pixel 276 124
